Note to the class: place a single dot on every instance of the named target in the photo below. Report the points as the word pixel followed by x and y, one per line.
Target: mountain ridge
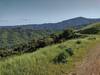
pixel 74 22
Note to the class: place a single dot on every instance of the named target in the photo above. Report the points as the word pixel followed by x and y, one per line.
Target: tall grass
pixel 40 62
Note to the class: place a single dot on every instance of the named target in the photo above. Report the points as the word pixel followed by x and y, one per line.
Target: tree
pixel 67 34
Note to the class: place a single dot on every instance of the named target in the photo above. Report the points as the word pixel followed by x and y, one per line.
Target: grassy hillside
pixel 41 61
pixel 91 29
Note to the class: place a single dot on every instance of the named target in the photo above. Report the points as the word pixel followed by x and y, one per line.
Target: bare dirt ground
pixel 91 64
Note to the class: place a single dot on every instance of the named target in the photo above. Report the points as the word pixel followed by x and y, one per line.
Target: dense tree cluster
pixel 35 44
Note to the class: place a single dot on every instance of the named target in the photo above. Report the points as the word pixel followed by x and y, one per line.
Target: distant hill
pixel 91 29
pixel 74 22
pixel 12 35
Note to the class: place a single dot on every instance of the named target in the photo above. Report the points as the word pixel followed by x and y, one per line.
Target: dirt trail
pixel 90 65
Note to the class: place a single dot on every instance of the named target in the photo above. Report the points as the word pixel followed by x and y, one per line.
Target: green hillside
pixel 91 29
pixel 41 62
pixel 12 37
pixel 56 54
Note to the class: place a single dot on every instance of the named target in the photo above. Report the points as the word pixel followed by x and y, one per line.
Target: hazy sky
pixel 13 12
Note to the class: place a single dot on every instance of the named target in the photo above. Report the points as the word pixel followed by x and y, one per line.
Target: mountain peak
pixel 80 17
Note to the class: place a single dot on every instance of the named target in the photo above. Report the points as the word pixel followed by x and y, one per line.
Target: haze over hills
pixel 74 22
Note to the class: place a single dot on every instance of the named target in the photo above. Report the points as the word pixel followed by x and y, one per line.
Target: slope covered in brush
pixel 91 29
pixel 41 62
pixel 14 36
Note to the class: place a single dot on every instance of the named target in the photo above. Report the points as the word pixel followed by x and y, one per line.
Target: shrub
pixel 78 42
pixel 70 51
pixel 61 58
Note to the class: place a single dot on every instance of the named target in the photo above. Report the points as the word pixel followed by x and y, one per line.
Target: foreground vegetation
pixel 41 62
pixel 56 54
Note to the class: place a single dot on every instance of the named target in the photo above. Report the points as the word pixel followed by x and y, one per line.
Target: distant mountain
pixel 74 22
pixel 12 35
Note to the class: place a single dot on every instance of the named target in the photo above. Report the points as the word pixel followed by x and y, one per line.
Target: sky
pixel 19 12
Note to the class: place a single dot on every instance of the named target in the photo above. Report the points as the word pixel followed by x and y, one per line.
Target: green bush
pixel 78 42
pixel 67 34
pixel 70 51
pixel 61 58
